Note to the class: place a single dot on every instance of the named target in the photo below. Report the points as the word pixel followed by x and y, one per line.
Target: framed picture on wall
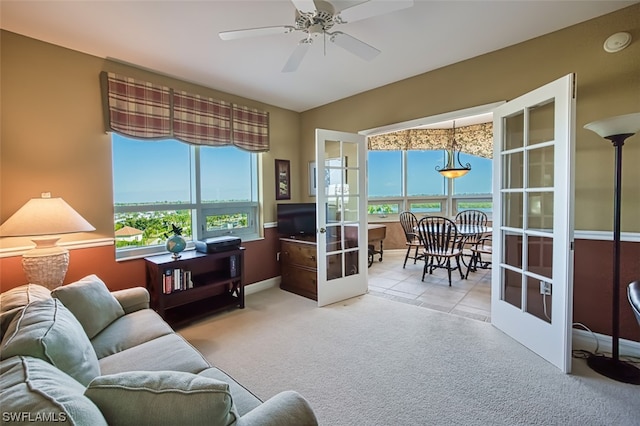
pixel 313 185
pixel 283 180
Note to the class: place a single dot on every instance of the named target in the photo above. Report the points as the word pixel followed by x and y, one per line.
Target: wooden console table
pixel 376 234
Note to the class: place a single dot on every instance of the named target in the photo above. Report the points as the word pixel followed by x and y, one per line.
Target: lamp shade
pixel 453 173
pixel 44 216
pixel 628 124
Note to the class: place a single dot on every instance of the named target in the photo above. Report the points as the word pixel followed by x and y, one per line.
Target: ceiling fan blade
pixel 304 5
pixel 372 8
pixel 298 54
pixel 353 45
pixel 255 32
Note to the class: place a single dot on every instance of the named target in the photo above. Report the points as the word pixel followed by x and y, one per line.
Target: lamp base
pixel 620 371
pixel 46 267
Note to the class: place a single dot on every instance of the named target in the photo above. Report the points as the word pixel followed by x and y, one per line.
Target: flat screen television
pixel 296 219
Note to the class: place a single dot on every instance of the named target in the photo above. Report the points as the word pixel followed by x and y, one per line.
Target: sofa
pixel 82 355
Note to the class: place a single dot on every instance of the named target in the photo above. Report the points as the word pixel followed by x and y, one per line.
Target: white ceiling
pixel 180 39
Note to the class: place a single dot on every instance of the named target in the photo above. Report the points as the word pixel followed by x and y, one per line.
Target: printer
pixel 218 244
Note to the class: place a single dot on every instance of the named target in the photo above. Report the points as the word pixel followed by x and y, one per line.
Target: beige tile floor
pixel 470 298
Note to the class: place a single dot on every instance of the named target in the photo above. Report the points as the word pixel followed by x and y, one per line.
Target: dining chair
pixel 439 237
pixel 409 224
pixel 479 248
pixel 470 219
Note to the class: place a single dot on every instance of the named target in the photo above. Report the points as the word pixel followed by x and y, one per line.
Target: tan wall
pixel 607 85
pixel 53 136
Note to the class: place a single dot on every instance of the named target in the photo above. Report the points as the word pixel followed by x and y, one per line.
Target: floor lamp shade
pixel 44 219
pixel 617 130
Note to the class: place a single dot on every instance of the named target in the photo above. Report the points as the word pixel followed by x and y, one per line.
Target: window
pixel 385 174
pixel 408 180
pixel 207 191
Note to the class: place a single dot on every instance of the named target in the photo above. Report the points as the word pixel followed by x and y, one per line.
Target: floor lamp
pixel 617 130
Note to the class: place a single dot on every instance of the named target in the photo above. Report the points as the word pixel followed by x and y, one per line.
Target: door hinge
pixel 571 245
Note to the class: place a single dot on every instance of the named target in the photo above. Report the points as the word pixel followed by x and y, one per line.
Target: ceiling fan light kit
pixel 317 17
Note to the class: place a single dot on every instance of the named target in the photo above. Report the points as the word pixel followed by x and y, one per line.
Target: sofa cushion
pixel 32 390
pixel 91 302
pixel 13 300
pixel 163 397
pixel 129 331
pixel 47 330
pixel 170 352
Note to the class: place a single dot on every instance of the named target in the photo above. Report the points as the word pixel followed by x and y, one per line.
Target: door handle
pixel 323 230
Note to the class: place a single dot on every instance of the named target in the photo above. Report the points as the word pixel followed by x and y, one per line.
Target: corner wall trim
pixel 632 237
pixel 71 245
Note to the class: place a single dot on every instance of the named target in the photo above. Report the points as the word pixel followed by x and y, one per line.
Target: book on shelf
pixel 167 281
pixel 176 280
pixel 186 279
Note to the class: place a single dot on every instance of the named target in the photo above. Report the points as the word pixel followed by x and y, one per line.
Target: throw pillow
pixel 91 302
pixel 34 391
pixel 12 301
pixel 47 330
pixel 162 398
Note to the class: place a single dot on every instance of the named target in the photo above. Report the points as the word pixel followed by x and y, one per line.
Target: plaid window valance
pixel 250 128
pixel 201 121
pixel 147 111
pixel 136 108
pixel 476 139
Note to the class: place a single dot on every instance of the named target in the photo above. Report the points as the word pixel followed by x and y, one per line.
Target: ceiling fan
pixel 317 17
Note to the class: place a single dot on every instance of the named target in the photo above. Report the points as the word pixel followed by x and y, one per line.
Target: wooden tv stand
pixel 300 267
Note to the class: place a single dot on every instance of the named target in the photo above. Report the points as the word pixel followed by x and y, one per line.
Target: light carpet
pixel 374 361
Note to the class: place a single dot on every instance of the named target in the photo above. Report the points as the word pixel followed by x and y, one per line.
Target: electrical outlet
pixel 545 288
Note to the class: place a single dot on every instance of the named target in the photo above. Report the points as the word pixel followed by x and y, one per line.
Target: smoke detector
pixel 617 42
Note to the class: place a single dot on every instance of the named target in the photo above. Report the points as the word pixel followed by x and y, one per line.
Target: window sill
pixel 162 250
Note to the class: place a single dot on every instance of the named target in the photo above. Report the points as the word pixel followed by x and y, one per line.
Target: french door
pixel 532 277
pixel 341 213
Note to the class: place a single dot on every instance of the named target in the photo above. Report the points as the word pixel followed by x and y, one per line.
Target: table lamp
pixel 44 219
pixel 617 130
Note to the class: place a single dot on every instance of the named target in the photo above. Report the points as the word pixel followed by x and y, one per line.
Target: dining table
pixel 469 230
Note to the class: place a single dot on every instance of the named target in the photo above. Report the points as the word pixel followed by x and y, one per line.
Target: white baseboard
pixel 583 339
pixel 262 285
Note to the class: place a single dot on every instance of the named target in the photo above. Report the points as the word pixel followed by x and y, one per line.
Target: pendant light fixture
pixel 452 170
